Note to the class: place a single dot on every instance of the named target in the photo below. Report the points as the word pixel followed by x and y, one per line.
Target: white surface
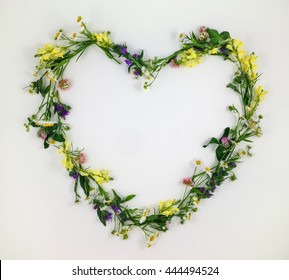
pixel 148 140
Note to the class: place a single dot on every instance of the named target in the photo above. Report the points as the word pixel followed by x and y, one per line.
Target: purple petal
pixel 128 62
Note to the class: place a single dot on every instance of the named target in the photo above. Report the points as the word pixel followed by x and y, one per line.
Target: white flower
pixel 223 164
pixel 144 215
pixel 242 153
pixel 208 171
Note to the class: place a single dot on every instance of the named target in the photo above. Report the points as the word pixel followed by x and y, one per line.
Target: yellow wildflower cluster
pixel 247 61
pixel 103 39
pixel 167 208
pixel 259 95
pixel 50 52
pixel 214 51
pixel 190 58
pixel 67 161
pixel 100 176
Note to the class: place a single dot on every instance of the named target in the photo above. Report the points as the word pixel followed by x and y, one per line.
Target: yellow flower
pixel 100 176
pixel 79 18
pixel 229 47
pixel 167 208
pixel 67 162
pixel 260 93
pixel 237 47
pixel 198 162
pixel 50 52
pixel 103 39
pixel 248 63
pixel 214 51
pixel 190 58
pixel 83 173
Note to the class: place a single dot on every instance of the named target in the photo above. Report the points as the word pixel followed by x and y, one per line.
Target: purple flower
pixel 198 49
pixel 108 216
pixel 135 72
pixel 61 110
pixel 123 50
pixel 95 207
pixel 64 113
pixel 74 175
pixel 232 164
pixel 58 107
pixel 223 50
pixel 202 189
pixel 128 62
pixel 135 56
pixel 115 208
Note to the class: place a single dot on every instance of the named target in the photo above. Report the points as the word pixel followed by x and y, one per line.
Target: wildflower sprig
pixel 231 146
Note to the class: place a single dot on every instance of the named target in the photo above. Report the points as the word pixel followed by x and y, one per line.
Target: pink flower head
pixel 42 134
pixel 81 158
pixel 202 29
pixel 188 182
pixel 225 141
pixel 174 64
pixel 64 84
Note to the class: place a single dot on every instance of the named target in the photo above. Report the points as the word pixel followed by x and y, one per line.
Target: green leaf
pixel 117 199
pixel 219 152
pixel 52 128
pixel 212 141
pixel 58 137
pixel 46 145
pixel 233 87
pixel 194 38
pixel 226 132
pixel 225 35
pixel 213 33
pixel 103 192
pixel 128 198
pixel 215 41
pixel 101 216
pixel 84 183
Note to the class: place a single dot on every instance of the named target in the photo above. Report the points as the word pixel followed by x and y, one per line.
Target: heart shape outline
pixel 53 61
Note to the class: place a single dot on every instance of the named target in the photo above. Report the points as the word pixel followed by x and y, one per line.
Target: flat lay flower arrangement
pixel 231 146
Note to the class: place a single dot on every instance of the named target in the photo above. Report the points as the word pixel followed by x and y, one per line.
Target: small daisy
pixel 196 199
pixel 152 238
pixel 223 164
pixel 198 162
pixel 208 171
pixel 242 153
pixel 145 213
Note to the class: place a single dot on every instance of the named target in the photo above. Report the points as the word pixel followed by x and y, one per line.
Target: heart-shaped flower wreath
pixel 109 205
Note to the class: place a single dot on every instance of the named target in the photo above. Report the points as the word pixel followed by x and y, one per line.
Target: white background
pixel 148 140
